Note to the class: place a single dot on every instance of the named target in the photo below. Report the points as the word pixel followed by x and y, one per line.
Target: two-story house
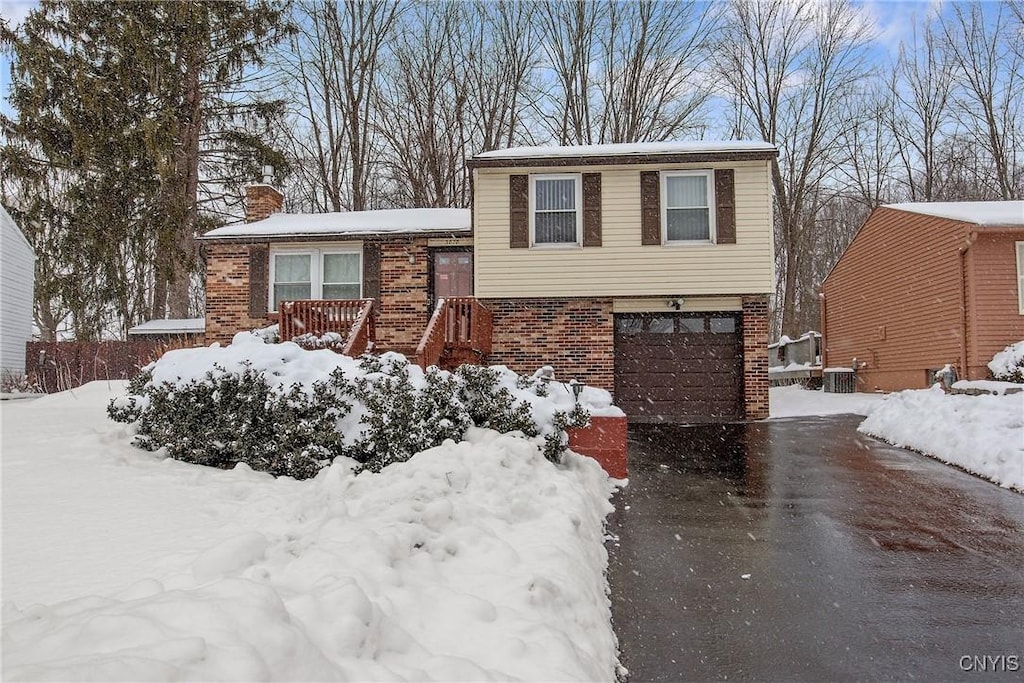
pixel 643 269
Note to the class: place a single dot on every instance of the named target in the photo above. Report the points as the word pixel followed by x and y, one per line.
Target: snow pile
pixel 789 368
pixel 287 364
pixel 986 386
pixel 981 434
pixel 477 560
pixel 289 411
pixel 796 401
pixel 1008 364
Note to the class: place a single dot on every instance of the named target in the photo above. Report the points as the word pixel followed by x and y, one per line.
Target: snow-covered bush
pixel 229 417
pixel 401 419
pixel 1008 364
pixel 289 411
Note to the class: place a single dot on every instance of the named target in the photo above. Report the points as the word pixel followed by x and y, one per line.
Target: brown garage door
pixel 679 367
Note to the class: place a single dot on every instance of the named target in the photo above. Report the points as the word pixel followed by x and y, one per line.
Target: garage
pixel 679 367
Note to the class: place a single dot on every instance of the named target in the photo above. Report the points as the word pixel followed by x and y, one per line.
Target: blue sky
pixel 894 20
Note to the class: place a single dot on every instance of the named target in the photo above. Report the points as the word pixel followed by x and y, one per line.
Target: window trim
pixel 709 175
pixel 1019 247
pixel 316 269
pixel 577 179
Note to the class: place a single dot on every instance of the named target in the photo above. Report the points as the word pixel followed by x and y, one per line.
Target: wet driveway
pixel 801 550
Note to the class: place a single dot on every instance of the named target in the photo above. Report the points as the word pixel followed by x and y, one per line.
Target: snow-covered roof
pixel 630 149
pixel 171 326
pixel 345 223
pixel 980 213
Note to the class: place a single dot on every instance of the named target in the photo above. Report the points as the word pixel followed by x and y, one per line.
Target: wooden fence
pixel 58 366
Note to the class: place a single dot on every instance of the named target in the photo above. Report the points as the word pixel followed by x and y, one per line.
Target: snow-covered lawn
pixel 795 401
pixel 477 560
pixel 981 434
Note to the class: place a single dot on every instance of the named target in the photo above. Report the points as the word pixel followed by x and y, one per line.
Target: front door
pixel 453 274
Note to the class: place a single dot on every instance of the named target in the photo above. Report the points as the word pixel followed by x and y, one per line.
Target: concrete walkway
pixel 800 550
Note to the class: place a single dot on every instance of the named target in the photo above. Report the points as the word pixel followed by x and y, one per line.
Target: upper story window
pixel 687 206
pixel 300 274
pixel 555 214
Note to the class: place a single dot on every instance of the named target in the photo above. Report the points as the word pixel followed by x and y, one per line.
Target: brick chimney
pixel 262 199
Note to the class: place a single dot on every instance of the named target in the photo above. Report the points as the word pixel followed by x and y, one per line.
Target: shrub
pixel 232 417
pixel 385 413
pixel 401 420
pixel 14 383
pixel 1008 364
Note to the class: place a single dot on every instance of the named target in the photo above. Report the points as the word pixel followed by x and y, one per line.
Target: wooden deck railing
pixel 458 323
pixel 308 321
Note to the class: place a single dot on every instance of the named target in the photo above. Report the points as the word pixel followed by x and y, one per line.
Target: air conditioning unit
pixel 840 380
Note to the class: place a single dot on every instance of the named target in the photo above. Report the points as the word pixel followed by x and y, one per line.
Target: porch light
pixel 577 388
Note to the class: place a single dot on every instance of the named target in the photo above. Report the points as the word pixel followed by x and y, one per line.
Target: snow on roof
pixel 630 149
pixel 981 213
pixel 171 326
pixel 381 222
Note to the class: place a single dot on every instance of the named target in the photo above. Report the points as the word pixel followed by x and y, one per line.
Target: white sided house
pixel 643 269
pixel 17 282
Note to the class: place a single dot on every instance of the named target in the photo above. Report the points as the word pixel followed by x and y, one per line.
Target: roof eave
pixel 336 236
pixel 622 159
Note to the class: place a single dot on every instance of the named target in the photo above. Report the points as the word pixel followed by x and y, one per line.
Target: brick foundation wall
pixel 402 313
pixel 227 293
pixel 755 357
pixel 575 336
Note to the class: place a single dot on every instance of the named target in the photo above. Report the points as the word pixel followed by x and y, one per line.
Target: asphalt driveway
pixel 801 550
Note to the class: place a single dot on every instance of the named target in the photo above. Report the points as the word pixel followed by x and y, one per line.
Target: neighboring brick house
pixel 643 269
pixel 924 285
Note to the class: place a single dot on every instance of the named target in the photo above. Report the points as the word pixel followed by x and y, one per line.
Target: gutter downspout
pixel 824 331
pixel 962 253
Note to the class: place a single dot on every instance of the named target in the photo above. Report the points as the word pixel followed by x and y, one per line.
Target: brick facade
pixel 403 313
pixel 227 293
pixel 575 336
pixel 261 201
pixel 755 357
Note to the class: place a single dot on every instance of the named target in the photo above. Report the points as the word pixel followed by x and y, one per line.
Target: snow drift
pixel 478 560
pixel 981 434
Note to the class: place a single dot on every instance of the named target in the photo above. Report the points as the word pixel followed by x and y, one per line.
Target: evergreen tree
pixel 142 111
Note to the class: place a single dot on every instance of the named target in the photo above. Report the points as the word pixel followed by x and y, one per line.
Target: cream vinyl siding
pixel 622 266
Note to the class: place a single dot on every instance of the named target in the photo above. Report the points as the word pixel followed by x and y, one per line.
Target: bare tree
pixel 990 97
pixel 426 128
pixel 362 31
pixel 317 130
pixel 652 53
pixel 499 61
pixel 568 31
pixel 793 67
pixel 920 89
pixel 870 149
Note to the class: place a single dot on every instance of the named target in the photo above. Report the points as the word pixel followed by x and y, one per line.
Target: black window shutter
pixel 371 271
pixel 591 209
pixel 725 206
pixel 259 280
pixel 650 207
pixel 519 211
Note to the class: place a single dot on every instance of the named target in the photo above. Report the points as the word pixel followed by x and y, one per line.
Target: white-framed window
pixel 315 273
pixel 556 214
pixel 1020 277
pixel 687 206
